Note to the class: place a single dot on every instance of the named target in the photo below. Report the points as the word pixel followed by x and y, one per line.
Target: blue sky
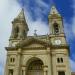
pixel 43 8
pixel 39 9
pixel 36 13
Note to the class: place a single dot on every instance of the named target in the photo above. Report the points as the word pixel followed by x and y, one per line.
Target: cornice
pixel 45 46
pixel 59 35
pixel 29 41
pixel 62 46
pixel 33 48
pixel 11 48
pixel 24 48
pixel 61 65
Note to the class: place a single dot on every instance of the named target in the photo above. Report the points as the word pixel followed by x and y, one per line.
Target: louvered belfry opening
pixel 56 28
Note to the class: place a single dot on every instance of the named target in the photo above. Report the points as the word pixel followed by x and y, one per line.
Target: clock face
pixel 57 42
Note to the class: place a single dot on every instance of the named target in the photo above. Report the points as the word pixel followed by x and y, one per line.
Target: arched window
pixel 58 60
pixel 56 28
pixel 12 60
pixel 61 60
pixel 17 29
pixel 35 67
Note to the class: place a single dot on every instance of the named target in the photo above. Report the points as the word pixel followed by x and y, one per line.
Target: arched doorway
pixel 35 67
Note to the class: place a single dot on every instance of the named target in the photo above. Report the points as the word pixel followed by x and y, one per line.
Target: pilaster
pixel 45 70
pixel 18 63
pixel 53 63
pixel 23 70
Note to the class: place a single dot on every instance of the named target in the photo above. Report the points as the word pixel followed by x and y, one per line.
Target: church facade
pixel 38 55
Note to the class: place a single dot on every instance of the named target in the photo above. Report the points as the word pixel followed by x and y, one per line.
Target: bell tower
pixel 59 46
pixel 56 27
pixel 55 22
pixel 19 27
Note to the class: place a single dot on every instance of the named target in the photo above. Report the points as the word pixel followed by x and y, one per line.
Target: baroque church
pixel 38 54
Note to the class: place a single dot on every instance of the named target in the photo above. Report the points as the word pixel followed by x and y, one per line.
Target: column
pixel 23 70
pixel 45 70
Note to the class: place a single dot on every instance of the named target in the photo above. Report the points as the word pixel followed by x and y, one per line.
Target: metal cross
pixel 35 32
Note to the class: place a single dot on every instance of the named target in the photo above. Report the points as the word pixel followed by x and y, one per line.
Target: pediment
pixel 33 45
pixel 33 42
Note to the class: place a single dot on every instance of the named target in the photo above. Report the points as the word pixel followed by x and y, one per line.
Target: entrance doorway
pixel 35 67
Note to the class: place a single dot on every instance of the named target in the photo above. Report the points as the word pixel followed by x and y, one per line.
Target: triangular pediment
pixel 33 45
pixel 33 42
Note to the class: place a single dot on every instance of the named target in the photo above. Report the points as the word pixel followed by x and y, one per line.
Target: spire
pixel 54 10
pixel 21 15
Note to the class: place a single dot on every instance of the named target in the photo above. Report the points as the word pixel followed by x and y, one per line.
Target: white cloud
pixel 70 27
pixel 8 10
pixel 70 33
pixel 73 22
pixel 36 7
pixel 42 3
pixel 72 64
pixel 40 26
pixel 73 25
